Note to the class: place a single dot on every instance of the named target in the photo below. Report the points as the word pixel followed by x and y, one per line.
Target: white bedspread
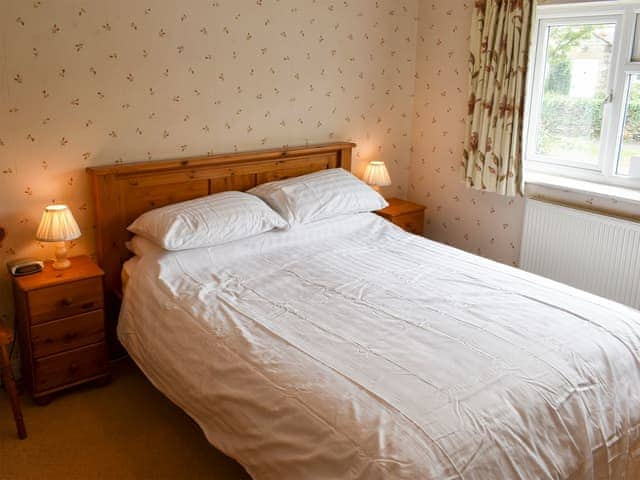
pixel 349 349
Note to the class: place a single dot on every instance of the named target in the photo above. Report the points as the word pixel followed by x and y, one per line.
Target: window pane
pixel 635 54
pixel 575 85
pixel 631 133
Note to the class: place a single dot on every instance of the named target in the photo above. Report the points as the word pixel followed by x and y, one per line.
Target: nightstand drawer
pixel 412 222
pixel 67 333
pixel 67 368
pixel 65 300
pixel 407 215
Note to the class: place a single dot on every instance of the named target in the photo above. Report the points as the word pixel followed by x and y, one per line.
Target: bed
pixel 349 349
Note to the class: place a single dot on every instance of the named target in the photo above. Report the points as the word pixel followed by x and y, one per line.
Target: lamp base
pixel 62 265
pixel 61 262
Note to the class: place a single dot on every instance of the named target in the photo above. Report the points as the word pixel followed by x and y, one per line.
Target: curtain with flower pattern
pixel 498 63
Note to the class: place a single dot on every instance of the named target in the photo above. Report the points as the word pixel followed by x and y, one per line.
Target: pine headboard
pixel 123 192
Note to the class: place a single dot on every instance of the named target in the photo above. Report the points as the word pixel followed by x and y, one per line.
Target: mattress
pixel 350 349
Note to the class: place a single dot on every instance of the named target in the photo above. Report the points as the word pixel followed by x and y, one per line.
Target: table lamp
pixel 58 225
pixel 377 175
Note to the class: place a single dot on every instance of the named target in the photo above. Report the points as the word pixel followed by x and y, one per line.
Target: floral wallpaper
pixel 94 82
pixel 87 83
pixel 480 222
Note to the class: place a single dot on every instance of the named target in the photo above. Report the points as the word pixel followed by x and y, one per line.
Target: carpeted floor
pixel 125 430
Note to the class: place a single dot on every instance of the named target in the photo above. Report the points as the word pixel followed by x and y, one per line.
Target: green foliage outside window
pixel 562 42
pixel 564 116
pixel 566 119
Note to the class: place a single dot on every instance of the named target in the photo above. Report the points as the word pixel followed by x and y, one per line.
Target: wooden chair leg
pixel 10 385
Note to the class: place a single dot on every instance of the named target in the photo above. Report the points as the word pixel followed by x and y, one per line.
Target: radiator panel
pixel 596 253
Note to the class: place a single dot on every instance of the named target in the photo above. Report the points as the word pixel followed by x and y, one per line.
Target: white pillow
pixel 140 246
pixel 319 195
pixel 206 221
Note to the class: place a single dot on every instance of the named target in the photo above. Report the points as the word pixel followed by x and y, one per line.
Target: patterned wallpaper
pixel 480 222
pixel 92 82
pixel 86 83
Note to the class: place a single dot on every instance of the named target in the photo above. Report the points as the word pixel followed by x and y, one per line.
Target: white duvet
pixel 349 349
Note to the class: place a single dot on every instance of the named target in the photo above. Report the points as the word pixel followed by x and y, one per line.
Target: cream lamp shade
pixel 58 225
pixel 377 174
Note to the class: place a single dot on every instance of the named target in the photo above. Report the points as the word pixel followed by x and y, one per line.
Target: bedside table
pixel 405 214
pixel 60 321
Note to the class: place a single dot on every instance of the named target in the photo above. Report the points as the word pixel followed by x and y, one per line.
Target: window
pixel 631 132
pixel 584 93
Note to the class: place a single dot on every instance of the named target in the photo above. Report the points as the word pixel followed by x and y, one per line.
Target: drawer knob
pixel 67 301
pixel 69 337
pixel 73 368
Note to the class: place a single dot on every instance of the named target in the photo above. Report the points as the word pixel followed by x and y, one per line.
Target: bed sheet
pixel 350 349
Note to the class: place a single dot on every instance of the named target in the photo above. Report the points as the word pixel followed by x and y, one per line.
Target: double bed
pixel 349 349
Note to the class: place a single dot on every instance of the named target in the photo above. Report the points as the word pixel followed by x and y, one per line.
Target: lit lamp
pixel 377 175
pixel 58 225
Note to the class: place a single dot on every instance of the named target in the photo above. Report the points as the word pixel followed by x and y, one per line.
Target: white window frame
pixel 623 14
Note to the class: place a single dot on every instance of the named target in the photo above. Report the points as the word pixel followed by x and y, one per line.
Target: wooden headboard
pixel 123 192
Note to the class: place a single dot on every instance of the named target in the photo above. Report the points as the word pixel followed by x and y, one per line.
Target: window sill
pixel 580 186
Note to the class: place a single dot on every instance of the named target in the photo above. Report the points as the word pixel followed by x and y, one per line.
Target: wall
pixel 87 83
pixel 480 222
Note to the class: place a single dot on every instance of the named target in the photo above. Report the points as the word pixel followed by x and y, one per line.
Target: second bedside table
pixel 405 214
pixel 60 319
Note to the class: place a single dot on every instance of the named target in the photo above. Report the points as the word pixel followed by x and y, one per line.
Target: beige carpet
pixel 124 430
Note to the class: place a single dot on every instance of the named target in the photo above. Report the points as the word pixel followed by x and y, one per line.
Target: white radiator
pixel 596 253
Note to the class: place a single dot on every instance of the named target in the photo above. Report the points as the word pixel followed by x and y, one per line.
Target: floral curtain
pixel 498 62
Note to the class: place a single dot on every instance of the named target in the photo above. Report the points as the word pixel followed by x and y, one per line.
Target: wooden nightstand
pixel 60 319
pixel 405 214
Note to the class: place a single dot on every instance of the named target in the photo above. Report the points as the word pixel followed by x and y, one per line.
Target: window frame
pixel 623 14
